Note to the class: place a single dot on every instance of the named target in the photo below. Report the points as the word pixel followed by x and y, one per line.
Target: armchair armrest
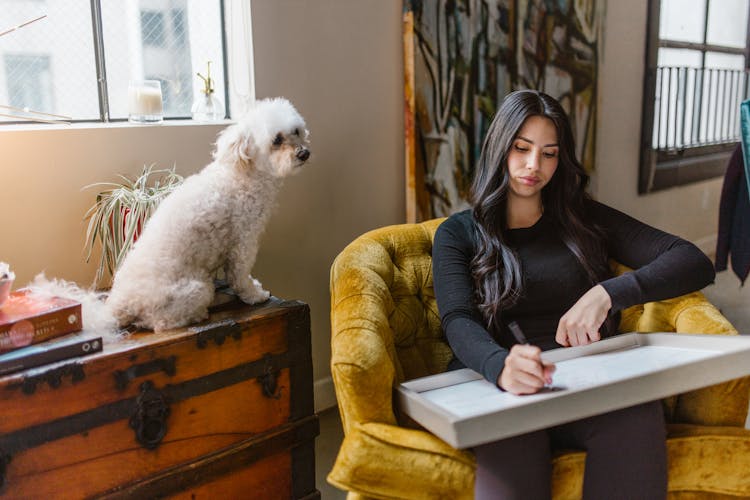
pixel 724 404
pixel 362 350
pixel 374 459
pixel 363 377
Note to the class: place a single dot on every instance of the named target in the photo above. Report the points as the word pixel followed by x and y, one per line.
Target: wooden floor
pixel 326 447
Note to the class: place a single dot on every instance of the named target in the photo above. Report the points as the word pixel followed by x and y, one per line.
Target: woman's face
pixel 533 157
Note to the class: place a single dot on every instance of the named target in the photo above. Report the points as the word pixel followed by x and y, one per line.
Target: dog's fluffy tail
pixel 97 317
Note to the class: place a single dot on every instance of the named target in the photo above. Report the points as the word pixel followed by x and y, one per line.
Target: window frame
pixel 666 169
pixel 101 72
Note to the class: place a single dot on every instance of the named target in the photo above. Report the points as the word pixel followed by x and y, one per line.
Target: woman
pixel 534 249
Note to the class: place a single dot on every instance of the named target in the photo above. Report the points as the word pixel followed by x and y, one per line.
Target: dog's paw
pixel 255 295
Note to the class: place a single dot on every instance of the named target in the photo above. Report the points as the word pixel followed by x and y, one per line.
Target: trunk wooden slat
pixel 267 478
pixel 68 430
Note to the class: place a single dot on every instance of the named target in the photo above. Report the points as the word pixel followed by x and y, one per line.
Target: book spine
pixel 43 356
pixel 40 328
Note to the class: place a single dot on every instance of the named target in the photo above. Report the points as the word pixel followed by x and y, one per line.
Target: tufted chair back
pixel 386 329
pixel 413 317
pixel 381 288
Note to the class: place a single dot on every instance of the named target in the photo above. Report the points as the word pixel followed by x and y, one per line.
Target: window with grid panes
pixel 78 60
pixel 696 77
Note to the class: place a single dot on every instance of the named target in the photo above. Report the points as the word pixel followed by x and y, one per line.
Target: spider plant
pixel 116 219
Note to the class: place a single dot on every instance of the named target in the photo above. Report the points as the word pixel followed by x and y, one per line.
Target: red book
pixel 27 319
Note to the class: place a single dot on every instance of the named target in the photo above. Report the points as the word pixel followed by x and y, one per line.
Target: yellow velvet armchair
pixel 386 329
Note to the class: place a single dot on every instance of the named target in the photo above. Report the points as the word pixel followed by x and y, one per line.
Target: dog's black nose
pixel 303 154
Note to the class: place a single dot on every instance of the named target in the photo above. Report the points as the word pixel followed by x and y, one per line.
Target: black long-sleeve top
pixel 664 266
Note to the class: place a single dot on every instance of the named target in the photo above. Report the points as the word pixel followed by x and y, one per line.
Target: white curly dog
pixel 213 220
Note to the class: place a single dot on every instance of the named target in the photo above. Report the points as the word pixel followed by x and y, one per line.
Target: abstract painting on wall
pixel 462 57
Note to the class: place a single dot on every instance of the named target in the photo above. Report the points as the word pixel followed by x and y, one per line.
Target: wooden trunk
pixel 221 410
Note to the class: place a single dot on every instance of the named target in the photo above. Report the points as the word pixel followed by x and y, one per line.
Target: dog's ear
pixel 234 145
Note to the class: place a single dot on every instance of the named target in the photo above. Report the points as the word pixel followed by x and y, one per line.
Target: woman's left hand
pixel 580 324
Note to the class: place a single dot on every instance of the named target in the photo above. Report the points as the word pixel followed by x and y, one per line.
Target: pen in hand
pixel 515 329
pixel 517 332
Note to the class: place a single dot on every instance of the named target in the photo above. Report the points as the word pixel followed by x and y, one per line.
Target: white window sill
pixel 108 125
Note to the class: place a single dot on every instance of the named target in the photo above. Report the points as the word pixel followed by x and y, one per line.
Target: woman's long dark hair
pixel 496 268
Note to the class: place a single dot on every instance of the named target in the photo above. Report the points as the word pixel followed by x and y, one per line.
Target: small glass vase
pixel 207 108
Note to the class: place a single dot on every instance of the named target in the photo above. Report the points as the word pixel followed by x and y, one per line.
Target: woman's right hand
pixel 524 371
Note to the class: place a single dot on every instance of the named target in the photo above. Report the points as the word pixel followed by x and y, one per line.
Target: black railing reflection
pixel 697 107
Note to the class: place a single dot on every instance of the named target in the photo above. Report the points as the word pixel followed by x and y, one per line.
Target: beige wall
pixel 42 173
pixel 340 62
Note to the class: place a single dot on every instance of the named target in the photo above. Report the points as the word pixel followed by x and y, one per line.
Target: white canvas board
pixel 465 410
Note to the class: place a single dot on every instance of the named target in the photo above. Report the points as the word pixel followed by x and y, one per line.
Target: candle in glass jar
pixel 145 101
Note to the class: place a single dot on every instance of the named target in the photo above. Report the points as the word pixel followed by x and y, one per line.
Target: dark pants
pixel 626 458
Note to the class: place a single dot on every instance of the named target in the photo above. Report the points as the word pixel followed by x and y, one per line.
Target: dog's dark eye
pixel 278 140
pixel 296 132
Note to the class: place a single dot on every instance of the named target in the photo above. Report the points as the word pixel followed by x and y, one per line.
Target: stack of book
pixel 37 330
